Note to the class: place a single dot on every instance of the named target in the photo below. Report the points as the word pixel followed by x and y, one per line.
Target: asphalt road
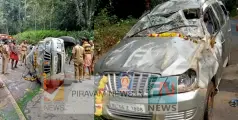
pixel 81 107
pixel 228 88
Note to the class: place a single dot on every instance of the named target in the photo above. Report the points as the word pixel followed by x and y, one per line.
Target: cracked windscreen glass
pixel 155 22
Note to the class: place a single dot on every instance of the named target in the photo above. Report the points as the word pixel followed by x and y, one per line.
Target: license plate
pixel 128 107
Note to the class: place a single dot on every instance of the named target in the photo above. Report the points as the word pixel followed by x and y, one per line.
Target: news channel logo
pixel 53 97
pixel 162 94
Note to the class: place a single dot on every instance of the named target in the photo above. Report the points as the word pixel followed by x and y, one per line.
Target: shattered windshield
pixel 183 16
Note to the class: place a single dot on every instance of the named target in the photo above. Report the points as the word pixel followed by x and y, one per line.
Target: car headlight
pixel 187 81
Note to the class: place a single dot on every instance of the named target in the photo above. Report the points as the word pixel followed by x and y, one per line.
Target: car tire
pixel 208 113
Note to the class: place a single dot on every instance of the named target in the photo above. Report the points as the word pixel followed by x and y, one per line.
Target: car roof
pixel 176 5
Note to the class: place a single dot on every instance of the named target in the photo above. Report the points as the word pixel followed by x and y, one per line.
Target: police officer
pixel 23 52
pixel 78 58
pixel 5 57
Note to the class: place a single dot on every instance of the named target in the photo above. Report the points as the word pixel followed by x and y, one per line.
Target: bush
pixel 233 12
pixel 109 30
pixel 108 36
pixel 34 37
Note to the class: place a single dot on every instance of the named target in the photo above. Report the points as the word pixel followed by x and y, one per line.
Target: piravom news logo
pixel 162 94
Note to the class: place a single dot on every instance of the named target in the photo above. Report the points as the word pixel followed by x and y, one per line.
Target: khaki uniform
pixel 23 51
pixel 5 58
pixel 78 53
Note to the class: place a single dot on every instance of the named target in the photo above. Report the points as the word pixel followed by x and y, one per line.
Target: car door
pixel 218 36
pixel 224 28
pixel 228 24
pixel 226 13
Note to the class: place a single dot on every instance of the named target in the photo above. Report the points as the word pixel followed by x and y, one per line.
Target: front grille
pixel 47 57
pixel 183 115
pixel 139 84
pixel 138 116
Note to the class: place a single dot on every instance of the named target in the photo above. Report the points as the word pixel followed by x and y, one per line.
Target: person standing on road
pixel 78 57
pixel 5 57
pixel 88 58
pixel 13 55
pixel 19 54
pixel 23 47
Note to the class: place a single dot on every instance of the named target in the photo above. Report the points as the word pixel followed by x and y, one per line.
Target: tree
pixel 20 15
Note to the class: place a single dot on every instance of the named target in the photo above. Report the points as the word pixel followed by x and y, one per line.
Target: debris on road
pixel 234 103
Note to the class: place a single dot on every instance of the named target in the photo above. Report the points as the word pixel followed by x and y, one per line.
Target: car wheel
pixel 208 113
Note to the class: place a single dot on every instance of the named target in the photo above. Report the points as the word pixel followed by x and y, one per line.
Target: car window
pixel 192 13
pixel 220 13
pixel 211 21
pixel 224 10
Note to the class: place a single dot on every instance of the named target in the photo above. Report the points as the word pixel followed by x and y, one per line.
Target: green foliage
pixel 109 30
pixel 34 37
pixel 233 12
pixel 103 19
pixel 21 15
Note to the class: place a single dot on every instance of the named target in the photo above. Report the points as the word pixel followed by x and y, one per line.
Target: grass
pixel 28 97
pixel 12 115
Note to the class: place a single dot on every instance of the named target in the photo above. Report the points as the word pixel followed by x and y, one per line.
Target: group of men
pixel 12 52
pixel 83 57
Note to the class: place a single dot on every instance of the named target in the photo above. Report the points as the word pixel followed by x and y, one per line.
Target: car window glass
pixel 191 13
pixel 220 13
pixel 210 20
pixel 224 9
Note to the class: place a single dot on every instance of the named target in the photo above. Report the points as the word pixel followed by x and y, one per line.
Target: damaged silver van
pixel 183 44
pixel 48 57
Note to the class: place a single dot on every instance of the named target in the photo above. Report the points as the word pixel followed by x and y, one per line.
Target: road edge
pixel 13 101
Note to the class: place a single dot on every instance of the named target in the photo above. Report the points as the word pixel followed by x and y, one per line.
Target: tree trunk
pixel 19 17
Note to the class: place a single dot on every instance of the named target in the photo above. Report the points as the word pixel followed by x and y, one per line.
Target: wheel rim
pixel 210 106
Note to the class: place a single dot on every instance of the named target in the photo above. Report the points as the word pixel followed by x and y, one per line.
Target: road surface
pixel 229 84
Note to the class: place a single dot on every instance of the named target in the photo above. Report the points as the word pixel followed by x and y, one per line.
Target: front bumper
pixel 190 107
